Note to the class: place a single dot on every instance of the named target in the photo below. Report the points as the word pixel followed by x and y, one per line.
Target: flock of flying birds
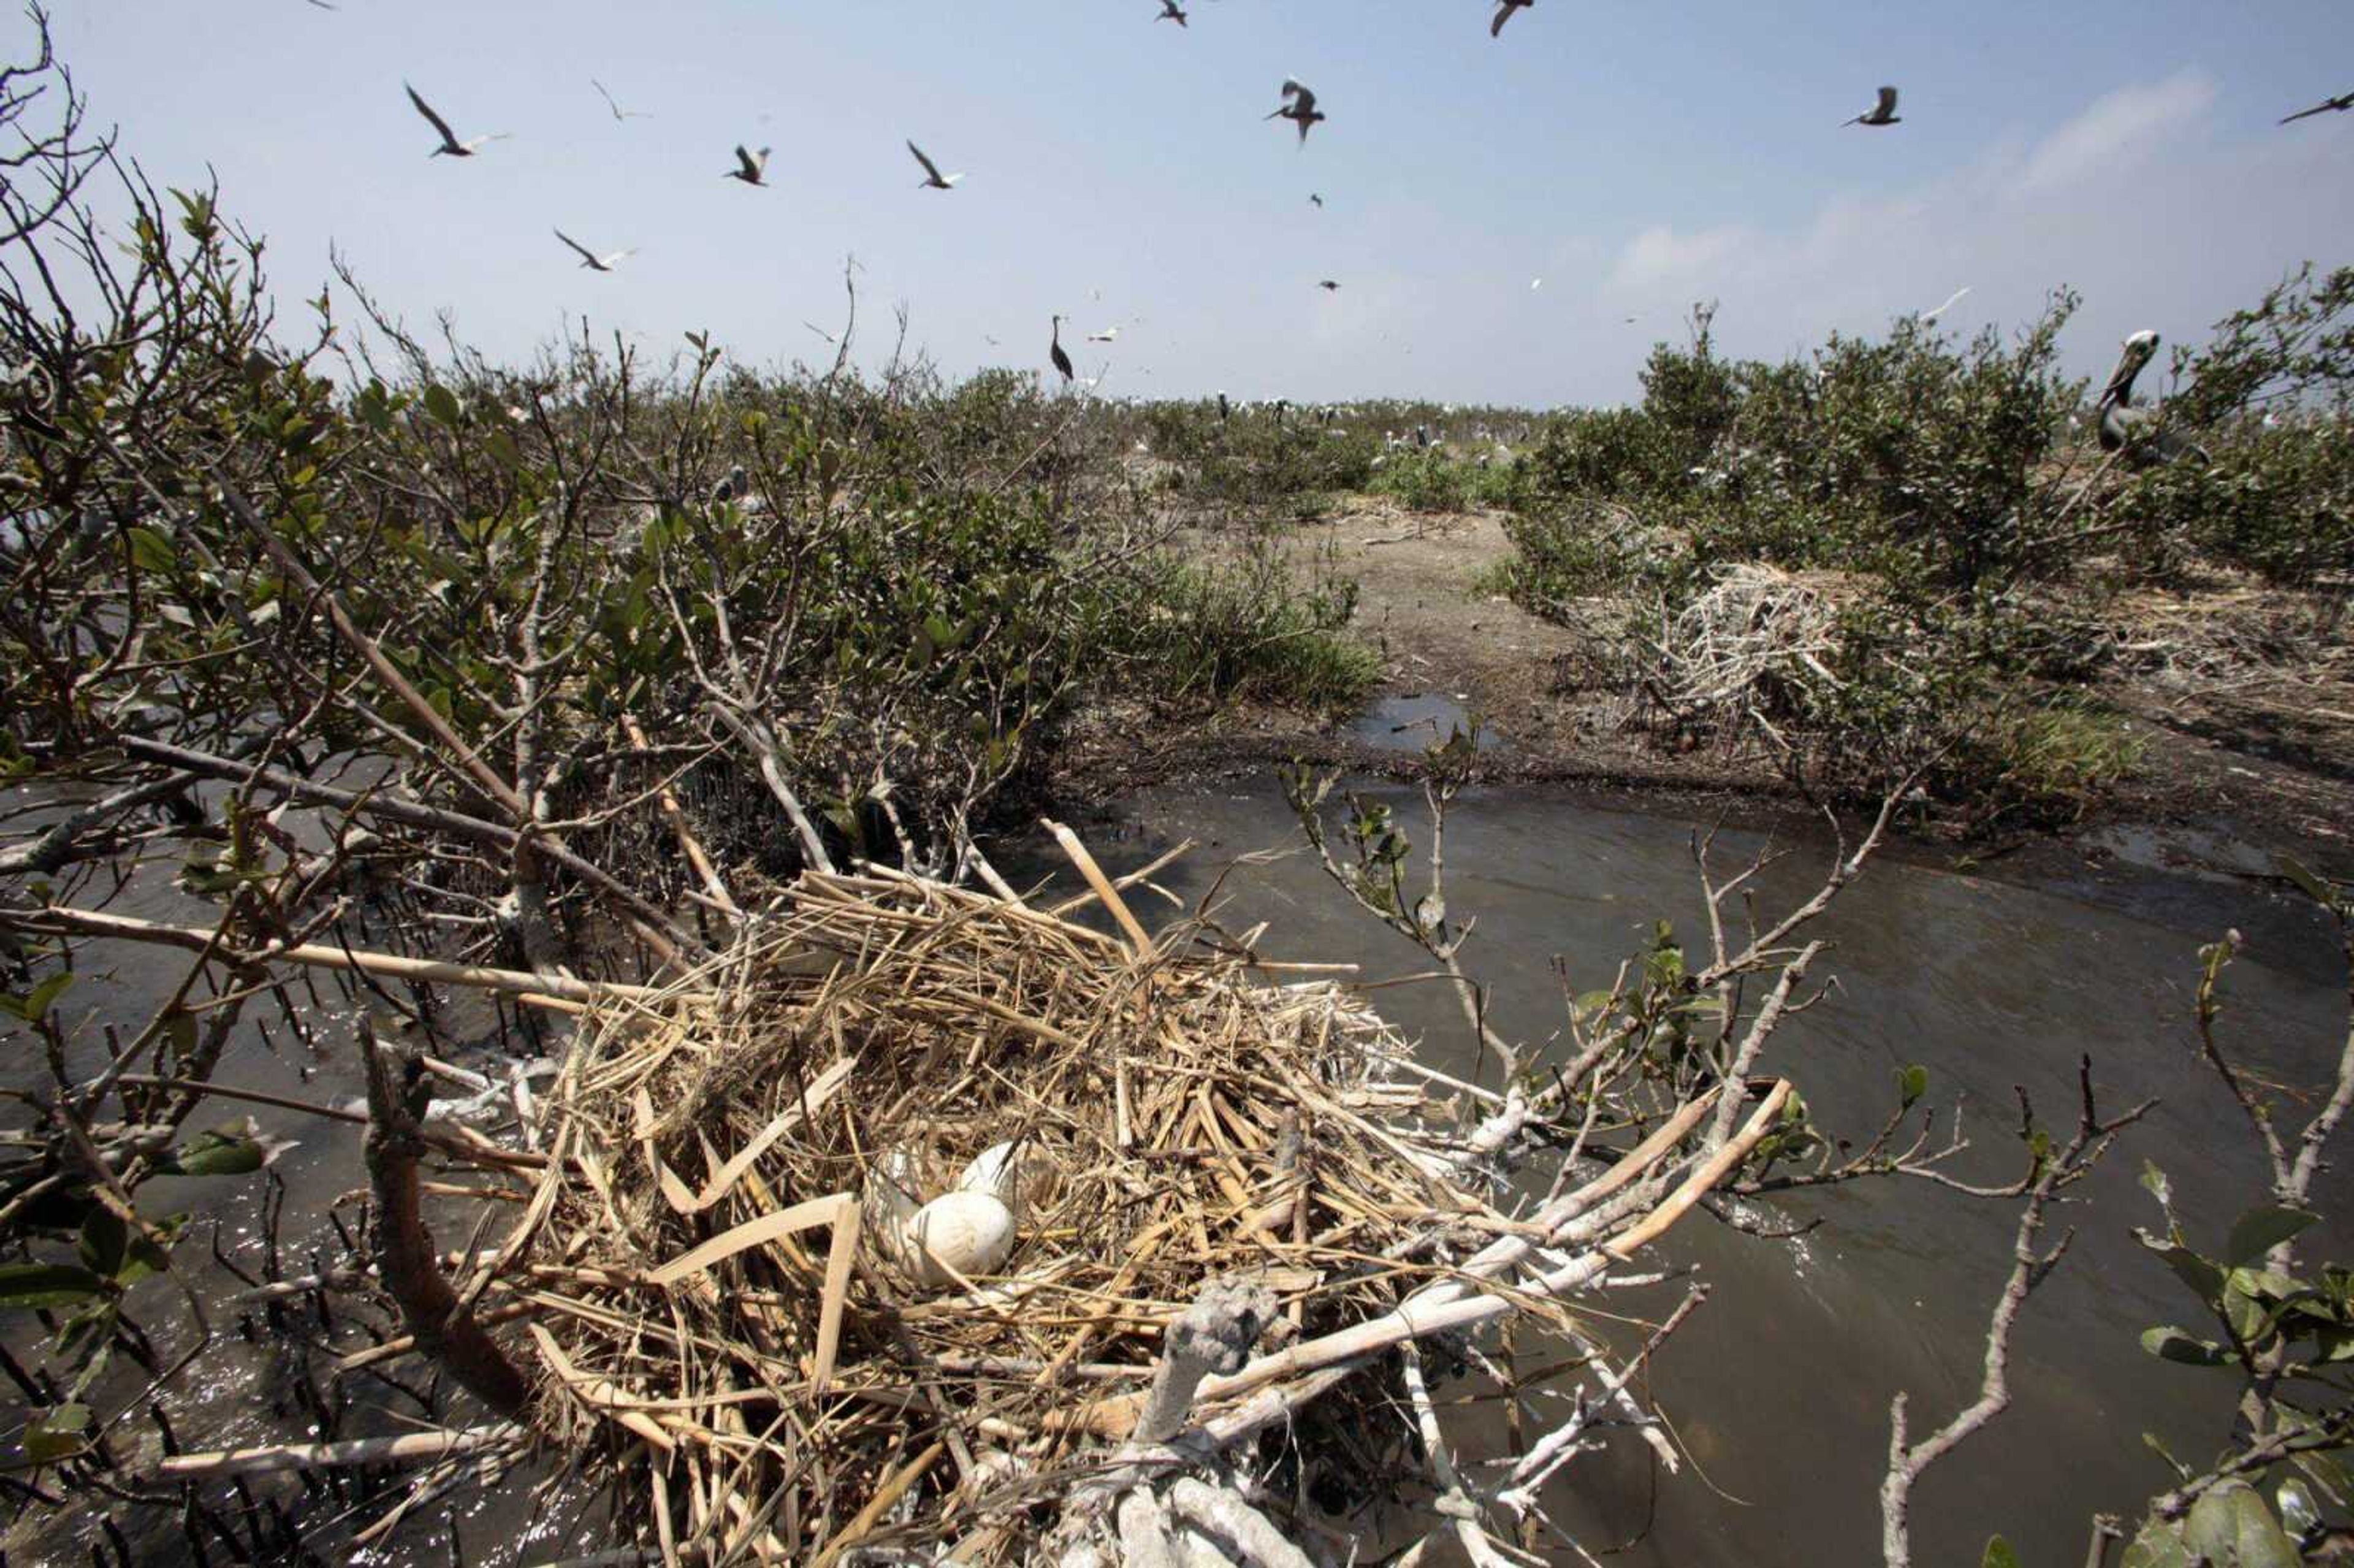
pixel 1299 106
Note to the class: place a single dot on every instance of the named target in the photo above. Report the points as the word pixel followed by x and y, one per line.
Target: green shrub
pixel 1212 632
pixel 2278 501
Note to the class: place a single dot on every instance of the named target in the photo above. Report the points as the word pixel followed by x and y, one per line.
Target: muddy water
pixel 243 1390
pixel 1780 1388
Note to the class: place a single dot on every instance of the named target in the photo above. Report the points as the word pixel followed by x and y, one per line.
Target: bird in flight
pixel 933 178
pixel 1881 113
pixel 1329 286
pixel 1955 298
pixel 1062 361
pixel 749 167
pixel 450 142
pixel 1171 13
pixel 590 259
pixel 2338 105
pixel 619 113
pixel 1299 107
pixel 1504 9
pixel 1108 334
pixel 823 332
pixel 1314 199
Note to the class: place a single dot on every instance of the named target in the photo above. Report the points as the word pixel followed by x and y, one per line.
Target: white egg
pixel 969 1233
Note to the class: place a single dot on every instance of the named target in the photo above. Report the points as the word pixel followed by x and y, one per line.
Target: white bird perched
pixel 1504 9
pixel 1881 113
pixel 450 142
pixel 1955 298
pixel 749 167
pixel 619 113
pixel 933 178
pixel 590 259
pixel 1299 107
pixel 1108 334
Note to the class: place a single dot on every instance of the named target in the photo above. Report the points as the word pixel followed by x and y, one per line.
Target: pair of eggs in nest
pixel 967 1231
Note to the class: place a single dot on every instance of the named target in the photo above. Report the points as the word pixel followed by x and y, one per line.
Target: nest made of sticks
pixel 717 1321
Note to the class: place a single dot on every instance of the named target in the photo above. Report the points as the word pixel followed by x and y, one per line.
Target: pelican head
pixel 2138 349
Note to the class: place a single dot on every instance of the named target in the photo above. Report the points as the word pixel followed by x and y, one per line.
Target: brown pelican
pixel 1314 199
pixel 619 113
pixel 1329 286
pixel 1504 9
pixel 933 178
pixel 1299 107
pixel 450 142
pixel 1170 12
pixel 591 260
pixel 2136 431
pixel 1881 113
pixel 2338 105
pixel 1062 361
pixel 749 167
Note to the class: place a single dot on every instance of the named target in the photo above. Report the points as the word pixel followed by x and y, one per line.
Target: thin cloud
pixel 2118 131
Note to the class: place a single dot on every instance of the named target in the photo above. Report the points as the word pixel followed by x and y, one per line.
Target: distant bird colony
pixel 2124 426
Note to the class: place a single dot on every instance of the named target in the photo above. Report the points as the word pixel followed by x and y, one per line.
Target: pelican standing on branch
pixel 749 167
pixel 1062 361
pixel 1504 9
pixel 1881 113
pixel 1299 107
pixel 590 259
pixel 450 145
pixel 933 178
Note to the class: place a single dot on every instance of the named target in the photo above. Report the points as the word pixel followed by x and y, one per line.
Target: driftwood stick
pixel 444 1328
pixel 60 918
pixel 408 1449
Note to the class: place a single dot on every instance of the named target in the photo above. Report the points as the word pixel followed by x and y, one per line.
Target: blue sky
pixel 1636 158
